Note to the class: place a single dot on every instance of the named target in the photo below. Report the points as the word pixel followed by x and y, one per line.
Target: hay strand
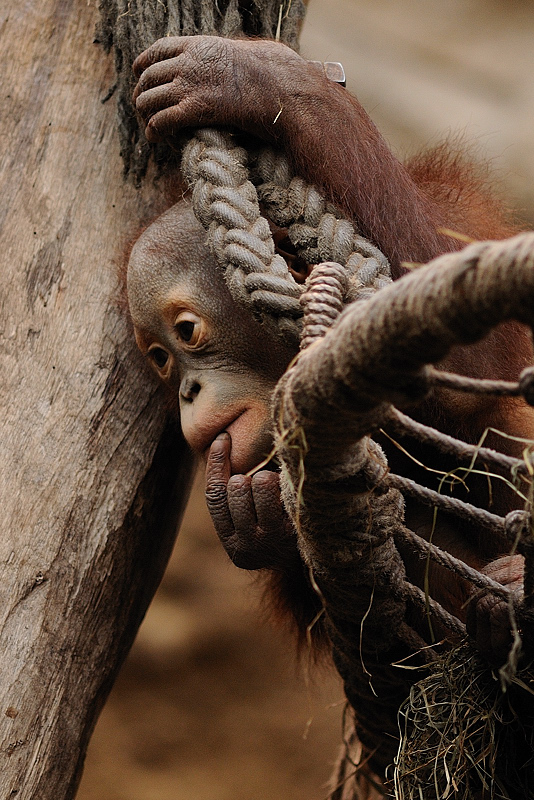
pixel 463 737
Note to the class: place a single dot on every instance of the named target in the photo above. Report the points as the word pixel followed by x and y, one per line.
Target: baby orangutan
pixel 223 365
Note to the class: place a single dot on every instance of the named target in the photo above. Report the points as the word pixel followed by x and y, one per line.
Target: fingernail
pixel 218 446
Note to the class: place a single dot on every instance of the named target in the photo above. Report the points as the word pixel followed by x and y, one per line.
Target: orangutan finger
pixel 162 49
pixel 157 75
pixel 269 509
pixel 156 99
pixel 241 505
pixel 217 477
pixel 169 121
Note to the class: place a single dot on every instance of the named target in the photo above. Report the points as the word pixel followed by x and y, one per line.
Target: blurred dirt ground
pixel 210 704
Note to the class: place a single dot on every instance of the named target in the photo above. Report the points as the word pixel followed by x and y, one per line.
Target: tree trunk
pixel 93 473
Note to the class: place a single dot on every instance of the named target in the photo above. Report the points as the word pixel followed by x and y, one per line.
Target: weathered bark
pixel 93 475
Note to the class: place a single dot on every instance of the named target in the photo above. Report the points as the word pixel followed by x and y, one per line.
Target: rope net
pixel 345 501
pixel 364 368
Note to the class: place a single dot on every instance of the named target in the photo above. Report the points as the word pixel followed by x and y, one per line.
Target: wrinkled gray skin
pixel 222 366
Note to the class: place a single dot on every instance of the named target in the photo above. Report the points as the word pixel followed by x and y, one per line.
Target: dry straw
pixel 463 737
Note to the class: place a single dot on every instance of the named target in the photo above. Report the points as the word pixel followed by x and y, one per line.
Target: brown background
pixel 210 704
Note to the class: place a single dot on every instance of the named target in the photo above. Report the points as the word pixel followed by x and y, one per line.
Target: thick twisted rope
pixel 315 227
pixel 225 201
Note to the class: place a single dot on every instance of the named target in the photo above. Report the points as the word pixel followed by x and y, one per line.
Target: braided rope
pixel 315 226
pixel 226 202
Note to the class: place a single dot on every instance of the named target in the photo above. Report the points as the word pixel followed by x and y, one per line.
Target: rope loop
pixel 315 227
pixel 226 203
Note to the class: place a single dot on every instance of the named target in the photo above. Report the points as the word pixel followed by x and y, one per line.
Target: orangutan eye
pixel 189 328
pixel 186 330
pixel 159 356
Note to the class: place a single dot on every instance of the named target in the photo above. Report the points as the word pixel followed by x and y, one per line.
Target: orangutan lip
pixel 269 464
pixel 223 430
pixel 229 424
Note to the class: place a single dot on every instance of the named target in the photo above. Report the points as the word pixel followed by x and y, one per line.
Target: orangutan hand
pixel 247 512
pixel 192 81
pixel 488 616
